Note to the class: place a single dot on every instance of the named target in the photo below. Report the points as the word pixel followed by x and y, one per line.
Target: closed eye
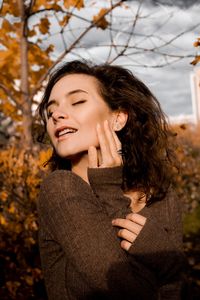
pixel 49 114
pixel 79 102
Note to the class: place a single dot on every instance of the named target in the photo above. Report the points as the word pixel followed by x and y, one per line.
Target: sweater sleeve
pixel 80 225
pixel 106 185
pixel 159 244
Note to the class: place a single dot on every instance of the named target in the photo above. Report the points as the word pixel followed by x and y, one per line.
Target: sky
pixel 170 84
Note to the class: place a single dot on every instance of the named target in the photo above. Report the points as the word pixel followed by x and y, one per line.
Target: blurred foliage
pixel 21 174
pixel 188 189
pixel 20 178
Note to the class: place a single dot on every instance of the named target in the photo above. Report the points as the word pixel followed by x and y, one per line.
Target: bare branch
pixel 70 14
pixel 130 34
pixel 60 58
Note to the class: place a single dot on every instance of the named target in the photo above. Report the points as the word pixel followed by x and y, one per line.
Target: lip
pixel 57 130
pixel 64 137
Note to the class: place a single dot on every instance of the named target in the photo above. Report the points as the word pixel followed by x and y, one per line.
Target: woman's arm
pixel 79 223
pixel 158 244
pixel 155 242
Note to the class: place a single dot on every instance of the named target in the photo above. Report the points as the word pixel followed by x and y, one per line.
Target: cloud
pixel 171 84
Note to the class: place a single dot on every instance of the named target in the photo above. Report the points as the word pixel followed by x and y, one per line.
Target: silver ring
pixel 119 151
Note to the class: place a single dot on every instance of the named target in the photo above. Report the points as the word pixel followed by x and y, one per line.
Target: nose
pixel 59 115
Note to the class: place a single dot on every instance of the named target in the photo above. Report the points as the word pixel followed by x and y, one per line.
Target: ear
pixel 119 120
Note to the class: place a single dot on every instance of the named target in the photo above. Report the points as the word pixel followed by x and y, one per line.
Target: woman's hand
pixel 131 227
pixel 109 147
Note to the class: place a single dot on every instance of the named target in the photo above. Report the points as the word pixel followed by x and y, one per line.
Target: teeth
pixel 65 131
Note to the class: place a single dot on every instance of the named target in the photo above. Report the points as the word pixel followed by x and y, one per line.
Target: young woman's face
pixel 73 111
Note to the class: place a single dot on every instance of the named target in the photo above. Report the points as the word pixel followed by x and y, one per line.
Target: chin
pixel 72 153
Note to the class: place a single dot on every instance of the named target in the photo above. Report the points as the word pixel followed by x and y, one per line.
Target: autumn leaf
pixel 65 20
pixel 197 43
pixel 10 7
pixel 3 220
pixel 56 7
pixel 6 25
pixel 3 196
pixel 50 49
pixel 44 25
pixel 75 3
pixel 4 54
pixel 196 60
pixel 100 20
pixel 31 33
pixel 39 4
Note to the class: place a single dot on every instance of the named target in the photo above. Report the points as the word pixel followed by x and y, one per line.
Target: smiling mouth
pixel 65 131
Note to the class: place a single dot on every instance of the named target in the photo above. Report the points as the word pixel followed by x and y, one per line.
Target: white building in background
pixel 195 90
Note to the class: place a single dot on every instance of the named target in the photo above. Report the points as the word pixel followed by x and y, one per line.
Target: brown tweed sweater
pixel 80 251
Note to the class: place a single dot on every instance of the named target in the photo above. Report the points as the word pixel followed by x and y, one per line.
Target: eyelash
pixel 79 102
pixel 49 114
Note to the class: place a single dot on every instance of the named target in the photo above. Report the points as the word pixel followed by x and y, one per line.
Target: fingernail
pixel 113 222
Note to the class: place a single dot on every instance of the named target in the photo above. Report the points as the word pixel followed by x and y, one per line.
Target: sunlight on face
pixel 74 108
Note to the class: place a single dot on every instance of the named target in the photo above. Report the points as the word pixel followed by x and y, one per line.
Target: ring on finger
pixel 120 152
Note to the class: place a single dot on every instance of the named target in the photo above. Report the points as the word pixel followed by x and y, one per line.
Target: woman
pixel 110 225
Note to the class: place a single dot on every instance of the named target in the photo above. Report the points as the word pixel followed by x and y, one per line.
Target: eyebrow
pixel 53 101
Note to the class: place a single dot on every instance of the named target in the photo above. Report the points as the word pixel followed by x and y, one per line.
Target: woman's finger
pixel 125 245
pixel 127 235
pixel 92 157
pixel 112 144
pixel 117 141
pixel 127 224
pixel 107 159
pixel 136 218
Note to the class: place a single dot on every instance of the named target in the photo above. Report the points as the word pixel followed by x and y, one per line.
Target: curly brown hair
pixel 148 157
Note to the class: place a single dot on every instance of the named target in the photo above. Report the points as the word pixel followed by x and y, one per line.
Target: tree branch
pixel 60 58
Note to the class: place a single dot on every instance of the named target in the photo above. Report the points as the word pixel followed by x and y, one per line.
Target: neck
pixel 80 166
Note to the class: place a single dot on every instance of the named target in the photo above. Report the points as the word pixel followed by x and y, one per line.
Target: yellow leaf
pixel 10 7
pixel 56 7
pixel 49 49
pixel 7 25
pixel 12 208
pixel 3 220
pixel 4 54
pixel 31 33
pixel 29 280
pixel 100 20
pixel 196 60
pixel 197 43
pixel 3 196
pixel 74 3
pixel 64 21
pixel 44 25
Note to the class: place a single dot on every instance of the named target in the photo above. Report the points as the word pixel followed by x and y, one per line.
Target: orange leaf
pixel 64 21
pixel 31 33
pixel 56 7
pixel 197 43
pixel 7 25
pixel 100 20
pixel 3 196
pixel 196 60
pixel 74 3
pixel 44 25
